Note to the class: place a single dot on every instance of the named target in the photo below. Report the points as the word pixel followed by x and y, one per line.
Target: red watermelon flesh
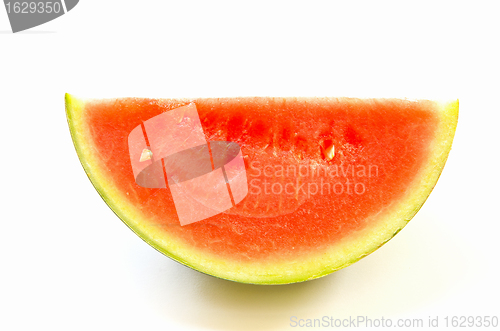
pixel 303 199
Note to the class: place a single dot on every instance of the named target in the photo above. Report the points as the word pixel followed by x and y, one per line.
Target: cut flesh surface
pixel 329 179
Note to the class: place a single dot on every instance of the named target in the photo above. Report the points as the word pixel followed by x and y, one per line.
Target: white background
pixel 68 263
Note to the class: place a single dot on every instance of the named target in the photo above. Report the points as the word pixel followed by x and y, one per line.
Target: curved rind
pixel 349 250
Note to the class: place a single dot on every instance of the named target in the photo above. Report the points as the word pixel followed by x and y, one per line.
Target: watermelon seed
pixel 329 152
pixel 146 155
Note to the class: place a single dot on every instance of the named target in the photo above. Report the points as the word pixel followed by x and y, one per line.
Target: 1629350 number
pixel 471 321
pixel 33 7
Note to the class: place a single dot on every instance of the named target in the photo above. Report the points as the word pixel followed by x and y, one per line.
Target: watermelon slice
pixel 321 182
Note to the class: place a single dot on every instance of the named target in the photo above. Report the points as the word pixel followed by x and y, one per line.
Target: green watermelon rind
pixel 344 253
pixel 73 107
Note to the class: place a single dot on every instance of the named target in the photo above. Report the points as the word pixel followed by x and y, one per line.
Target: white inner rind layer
pixel 382 227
